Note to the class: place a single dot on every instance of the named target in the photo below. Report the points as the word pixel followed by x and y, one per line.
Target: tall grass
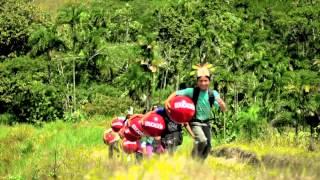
pixel 25 150
pixel 51 5
pixel 75 151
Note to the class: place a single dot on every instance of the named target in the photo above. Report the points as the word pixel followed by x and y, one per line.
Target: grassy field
pixel 65 150
pixel 75 151
pixel 51 5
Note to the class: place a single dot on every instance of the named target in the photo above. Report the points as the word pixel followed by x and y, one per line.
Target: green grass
pixel 51 5
pixel 23 146
pixel 274 143
pixel 75 151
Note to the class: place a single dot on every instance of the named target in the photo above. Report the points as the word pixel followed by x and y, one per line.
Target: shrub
pixel 250 123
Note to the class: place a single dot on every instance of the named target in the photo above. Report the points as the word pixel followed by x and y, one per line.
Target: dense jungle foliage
pixel 71 60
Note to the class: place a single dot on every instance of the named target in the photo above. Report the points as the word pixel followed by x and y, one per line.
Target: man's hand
pixel 167 102
pixel 220 101
pixel 167 106
pixel 216 94
pixel 222 104
pixel 187 126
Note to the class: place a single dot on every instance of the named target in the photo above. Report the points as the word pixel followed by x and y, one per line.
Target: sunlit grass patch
pixel 281 156
pixel 51 5
pixel 68 150
pixel 4 130
pixel 261 147
pixel 40 152
pixel 184 167
pixel 286 143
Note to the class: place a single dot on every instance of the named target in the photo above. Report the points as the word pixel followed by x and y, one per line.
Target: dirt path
pixel 297 165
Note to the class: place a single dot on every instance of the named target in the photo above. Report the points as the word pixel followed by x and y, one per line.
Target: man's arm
pixel 166 103
pixel 187 126
pixel 184 92
pixel 221 103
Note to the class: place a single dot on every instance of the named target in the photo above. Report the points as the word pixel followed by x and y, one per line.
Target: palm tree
pixel 70 15
pixel 44 40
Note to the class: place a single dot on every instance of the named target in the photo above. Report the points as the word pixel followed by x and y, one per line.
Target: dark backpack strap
pixel 196 92
pixel 211 98
pixel 195 96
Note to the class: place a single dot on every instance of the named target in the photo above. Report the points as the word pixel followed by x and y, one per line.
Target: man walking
pixel 204 99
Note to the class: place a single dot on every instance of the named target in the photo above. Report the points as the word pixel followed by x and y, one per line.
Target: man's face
pixel 203 83
pixel 129 116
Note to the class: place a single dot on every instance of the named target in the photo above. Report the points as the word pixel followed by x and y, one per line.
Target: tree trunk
pixel 148 102
pixel 162 79
pixel 235 98
pixel 153 88
pixel 311 145
pixel 177 82
pixel 296 131
pixel 224 126
pixel 74 85
pixel 127 31
pixel 49 67
pixel 165 78
pixel 74 65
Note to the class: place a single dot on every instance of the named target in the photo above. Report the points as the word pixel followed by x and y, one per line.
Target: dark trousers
pixel 113 148
pixel 171 141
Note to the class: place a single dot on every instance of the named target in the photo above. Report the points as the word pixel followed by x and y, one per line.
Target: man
pixel 200 124
pixel 113 144
pixel 111 139
pixel 172 137
pixel 129 114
